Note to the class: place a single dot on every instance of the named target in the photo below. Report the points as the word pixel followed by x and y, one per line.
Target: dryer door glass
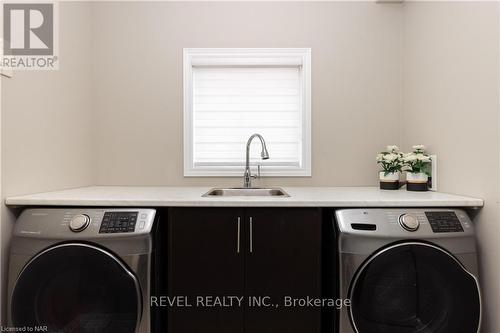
pixel 414 287
pixel 77 288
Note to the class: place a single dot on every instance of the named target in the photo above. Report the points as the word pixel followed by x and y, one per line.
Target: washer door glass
pixel 76 288
pixel 414 287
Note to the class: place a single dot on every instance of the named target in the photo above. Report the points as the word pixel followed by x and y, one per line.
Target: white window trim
pixel 247 57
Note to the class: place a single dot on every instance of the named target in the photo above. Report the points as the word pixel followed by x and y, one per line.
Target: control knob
pixel 79 222
pixel 408 222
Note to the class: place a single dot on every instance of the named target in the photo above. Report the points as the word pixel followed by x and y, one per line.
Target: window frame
pixel 247 57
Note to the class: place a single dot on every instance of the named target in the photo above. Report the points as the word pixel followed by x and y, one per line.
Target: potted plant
pixel 391 162
pixel 416 163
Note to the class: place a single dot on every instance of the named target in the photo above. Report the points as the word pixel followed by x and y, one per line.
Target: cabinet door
pixel 283 258
pixel 204 260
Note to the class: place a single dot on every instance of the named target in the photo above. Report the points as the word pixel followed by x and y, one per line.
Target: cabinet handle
pixel 239 236
pixel 251 235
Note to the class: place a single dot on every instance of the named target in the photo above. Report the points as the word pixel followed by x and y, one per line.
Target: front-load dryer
pixel 81 270
pixel 408 271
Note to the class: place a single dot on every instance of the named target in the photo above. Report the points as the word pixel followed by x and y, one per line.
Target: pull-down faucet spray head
pixel 264 154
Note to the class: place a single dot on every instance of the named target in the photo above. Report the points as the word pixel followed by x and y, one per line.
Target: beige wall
pixel 451 103
pixel 137 75
pixel 46 123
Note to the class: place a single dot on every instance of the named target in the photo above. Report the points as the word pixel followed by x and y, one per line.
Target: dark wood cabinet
pixel 284 262
pixel 260 254
pixel 203 260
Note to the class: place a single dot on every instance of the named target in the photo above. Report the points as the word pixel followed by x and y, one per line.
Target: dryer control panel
pixel 113 222
pixel 82 223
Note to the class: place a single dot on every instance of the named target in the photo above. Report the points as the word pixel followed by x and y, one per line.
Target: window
pixel 229 94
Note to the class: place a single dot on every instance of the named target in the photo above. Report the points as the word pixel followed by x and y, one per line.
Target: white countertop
pixel 160 196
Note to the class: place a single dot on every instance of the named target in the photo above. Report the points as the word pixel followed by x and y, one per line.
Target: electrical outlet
pixel 434 173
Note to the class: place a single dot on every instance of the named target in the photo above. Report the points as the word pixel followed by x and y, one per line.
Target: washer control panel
pixel 444 221
pixel 408 222
pixel 404 223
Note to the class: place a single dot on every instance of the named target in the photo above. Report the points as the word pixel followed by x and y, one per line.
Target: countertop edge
pixel 129 196
pixel 162 203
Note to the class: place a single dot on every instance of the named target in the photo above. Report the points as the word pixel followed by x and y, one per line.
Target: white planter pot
pixel 389 181
pixel 416 177
pixel 390 177
pixel 417 181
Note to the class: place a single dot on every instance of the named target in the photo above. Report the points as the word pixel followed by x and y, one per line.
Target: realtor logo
pixel 28 29
pixel 29 35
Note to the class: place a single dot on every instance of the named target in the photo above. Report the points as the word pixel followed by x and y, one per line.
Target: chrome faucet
pixel 247 176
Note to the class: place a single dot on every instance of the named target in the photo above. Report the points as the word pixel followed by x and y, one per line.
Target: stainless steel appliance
pixel 408 271
pixel 81 270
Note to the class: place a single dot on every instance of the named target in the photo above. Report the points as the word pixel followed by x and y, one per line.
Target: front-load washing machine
pixel 408 271
pixel 81 270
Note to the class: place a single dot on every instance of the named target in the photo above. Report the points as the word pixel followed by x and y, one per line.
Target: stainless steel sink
pixel 246 192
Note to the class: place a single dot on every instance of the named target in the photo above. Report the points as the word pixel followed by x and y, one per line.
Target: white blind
pixel 232 103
